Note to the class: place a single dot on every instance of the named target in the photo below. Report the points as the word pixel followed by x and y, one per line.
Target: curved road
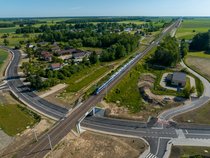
pixel 197 103
pixel 24 94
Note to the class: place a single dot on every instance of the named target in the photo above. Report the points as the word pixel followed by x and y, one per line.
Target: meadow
pixel 14 119
pixel 83 78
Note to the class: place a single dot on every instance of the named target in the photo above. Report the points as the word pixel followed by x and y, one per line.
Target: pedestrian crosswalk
pixel 150 155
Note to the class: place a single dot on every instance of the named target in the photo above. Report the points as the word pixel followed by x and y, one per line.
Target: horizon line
pixel 13 17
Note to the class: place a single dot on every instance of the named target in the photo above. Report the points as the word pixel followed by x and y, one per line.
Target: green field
pixel 8 30
pixel 199 54
pixel 85 77
pixel 14 119
pixel 3 57
pixel 189 152
pixel 191 27
pixel 15 38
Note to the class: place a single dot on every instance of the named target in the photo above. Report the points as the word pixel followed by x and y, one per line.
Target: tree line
pixel 4 25
pixel 100 27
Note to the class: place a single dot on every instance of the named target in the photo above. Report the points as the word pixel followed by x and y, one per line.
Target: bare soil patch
pixel 94 145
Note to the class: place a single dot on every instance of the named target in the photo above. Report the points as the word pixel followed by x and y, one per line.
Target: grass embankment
pixel 3 58
pixel 127 91
pixel 14 119
pixel 190 152
pixel 85 77
pixel 191 27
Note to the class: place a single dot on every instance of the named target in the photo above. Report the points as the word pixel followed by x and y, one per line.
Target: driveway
pixel 197 103
pixel 164 85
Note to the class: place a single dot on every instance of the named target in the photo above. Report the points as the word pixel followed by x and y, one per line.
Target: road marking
pixel 186 131
pixel 150 155
pixel 158 146
pixel 180 133
pixel 116 128
pixel 198 134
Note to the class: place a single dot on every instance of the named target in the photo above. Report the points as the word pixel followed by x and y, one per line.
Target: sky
pixel 51 8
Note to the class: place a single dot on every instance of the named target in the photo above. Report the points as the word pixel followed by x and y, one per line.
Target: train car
pixel 114 76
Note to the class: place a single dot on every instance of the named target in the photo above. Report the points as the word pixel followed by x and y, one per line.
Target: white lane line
pixel 116 128
pixel 158 146
pixel 198 134
pixel 186 131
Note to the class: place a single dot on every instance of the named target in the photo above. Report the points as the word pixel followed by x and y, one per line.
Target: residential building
pixel 78 57
pixel 47 56
pixel 177 79
pixel 56 66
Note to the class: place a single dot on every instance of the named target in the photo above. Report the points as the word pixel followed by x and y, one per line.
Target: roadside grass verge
pixel 199 84
pixel 189 152
pixel 198 116
pixel 14 119
pixel 3 57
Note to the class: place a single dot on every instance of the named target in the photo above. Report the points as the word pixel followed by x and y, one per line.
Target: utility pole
pixel 35 135
pixel 106 91
pixel 49 141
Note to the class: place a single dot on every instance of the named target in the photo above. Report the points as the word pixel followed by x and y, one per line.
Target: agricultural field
pixel 189 152
pixel 8 30
pixel 191 27
pixel 199 61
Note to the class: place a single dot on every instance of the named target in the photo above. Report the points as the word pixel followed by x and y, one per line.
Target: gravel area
pixel 5 140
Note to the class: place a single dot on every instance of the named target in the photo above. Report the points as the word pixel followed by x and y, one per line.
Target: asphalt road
pixel 64 126
pixel 196 103
pixel 155 136
pixel 27 96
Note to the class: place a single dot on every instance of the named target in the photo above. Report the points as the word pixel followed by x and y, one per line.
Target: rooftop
pixel 179 76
